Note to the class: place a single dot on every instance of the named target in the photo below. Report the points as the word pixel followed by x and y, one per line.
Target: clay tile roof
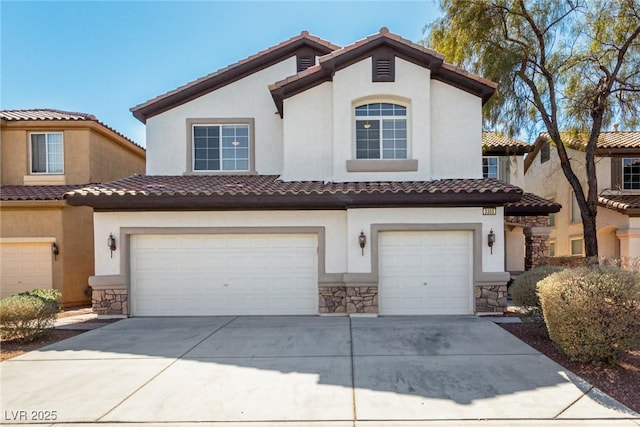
pixel 628 204
pixel 531 204
pixel 45 114
pixel 260 189
pixel 209 82
pixel 36 192
pixel 606 140
pixel 495 143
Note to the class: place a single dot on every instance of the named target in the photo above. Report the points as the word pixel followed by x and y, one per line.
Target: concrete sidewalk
pixel 311 371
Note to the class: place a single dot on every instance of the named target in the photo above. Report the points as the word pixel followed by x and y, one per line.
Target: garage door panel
pixel 25 266
pixel 425 272
pixel 224 274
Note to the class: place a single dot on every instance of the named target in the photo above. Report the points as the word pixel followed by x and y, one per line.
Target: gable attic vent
pixel 383 68
pixel 305 62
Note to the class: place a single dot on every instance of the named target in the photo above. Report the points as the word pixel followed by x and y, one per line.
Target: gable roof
pixel 495 144
pixel 405 49
pixel 232 73
pixel 609 143
pixel 531 204
pixel 48 114
pixel 223 192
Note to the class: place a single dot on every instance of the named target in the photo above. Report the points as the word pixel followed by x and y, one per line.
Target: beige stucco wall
pixel 91 153
pixel 72 229
pixel 547 180
pixel 109 161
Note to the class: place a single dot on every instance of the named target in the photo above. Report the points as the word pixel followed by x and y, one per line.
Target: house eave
pixel 290 202
pixel 206 85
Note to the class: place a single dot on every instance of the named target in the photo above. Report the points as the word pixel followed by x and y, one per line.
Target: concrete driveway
pixel 329 371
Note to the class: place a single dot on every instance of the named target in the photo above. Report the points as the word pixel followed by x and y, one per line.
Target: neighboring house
pixel 309 179
pixel 45 243
pixel 526 222
pixel 618 172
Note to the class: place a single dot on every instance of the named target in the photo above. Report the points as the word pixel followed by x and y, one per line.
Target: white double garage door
pixel 420 272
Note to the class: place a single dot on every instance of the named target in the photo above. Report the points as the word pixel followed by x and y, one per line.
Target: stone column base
pixel 347 300
pixel 491 298
pixel 109 301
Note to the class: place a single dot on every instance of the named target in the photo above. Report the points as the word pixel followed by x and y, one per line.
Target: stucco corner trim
pixel 396 165
pixel 483 278
pixel 109 282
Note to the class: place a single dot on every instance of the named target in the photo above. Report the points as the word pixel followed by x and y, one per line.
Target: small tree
pixel 565 65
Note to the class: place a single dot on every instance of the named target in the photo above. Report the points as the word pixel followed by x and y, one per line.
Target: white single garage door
pixel 425 272
pixel 224 274
pixel 25 266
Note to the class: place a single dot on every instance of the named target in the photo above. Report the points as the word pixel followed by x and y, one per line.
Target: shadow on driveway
pixel 298 369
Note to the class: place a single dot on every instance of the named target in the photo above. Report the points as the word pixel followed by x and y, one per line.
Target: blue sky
pixel 104 57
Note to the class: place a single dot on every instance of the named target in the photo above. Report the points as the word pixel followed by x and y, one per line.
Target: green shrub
pixel 524 294
pixel 523 290
pixel 592 313
pixel 28 315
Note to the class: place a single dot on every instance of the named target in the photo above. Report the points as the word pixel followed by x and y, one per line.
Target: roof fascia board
pixel 617 152
pixel 316 202
pixel 329 66
pixel 233 74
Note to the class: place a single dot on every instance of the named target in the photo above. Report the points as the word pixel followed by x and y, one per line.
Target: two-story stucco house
pixel 44 242
pixel 618 173
pixel 309 179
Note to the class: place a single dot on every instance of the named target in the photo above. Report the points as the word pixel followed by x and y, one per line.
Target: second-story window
pixel 631 174
pixel 47 153
pixel 223 147
pixel 490 167
pixel 381 131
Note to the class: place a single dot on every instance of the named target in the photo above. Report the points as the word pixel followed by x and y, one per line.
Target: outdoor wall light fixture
pixel 491 239
pixel 55 250
pixel 111 243
pixel 362 239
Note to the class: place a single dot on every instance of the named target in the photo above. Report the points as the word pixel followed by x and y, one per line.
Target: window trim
pixel 622 180
pixel 497 166
pixel 30 143
pixel 573 239
pixel 191 122
pixel 380 100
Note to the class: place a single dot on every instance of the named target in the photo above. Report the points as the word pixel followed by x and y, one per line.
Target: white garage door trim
pixel 426 272
pixel 224 274
pixel 25 264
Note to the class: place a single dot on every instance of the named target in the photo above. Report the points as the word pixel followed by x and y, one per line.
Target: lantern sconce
pixel 362 239
pixel 55 250
pixel 111 243
pixel 491 239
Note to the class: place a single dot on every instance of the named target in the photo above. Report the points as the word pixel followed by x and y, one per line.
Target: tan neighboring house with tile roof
pixel 310 179
pixel 618 172
pixel 526 228
pixel 44 242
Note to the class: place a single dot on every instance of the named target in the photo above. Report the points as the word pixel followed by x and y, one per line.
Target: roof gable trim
pixel 229 75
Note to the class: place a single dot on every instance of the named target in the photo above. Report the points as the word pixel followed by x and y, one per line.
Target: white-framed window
pixel 47 153
pixel 381 131
pixel 631 173
pixel 490 167
pixel 220 147
pixel 552 248
pixel 577 247
pixel 575 209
